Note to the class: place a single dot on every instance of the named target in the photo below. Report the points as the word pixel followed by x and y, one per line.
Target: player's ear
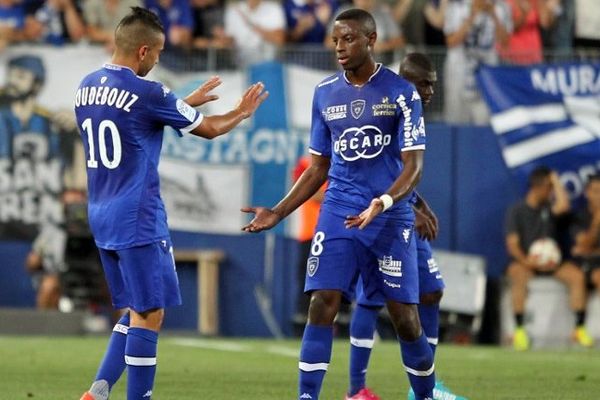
pixel 143 52
pixel 372 39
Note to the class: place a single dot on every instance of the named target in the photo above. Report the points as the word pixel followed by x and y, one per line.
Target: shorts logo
pixel 432 265
pixel 357 107
pixel 406 234
pixel 390 267
pixel 312 265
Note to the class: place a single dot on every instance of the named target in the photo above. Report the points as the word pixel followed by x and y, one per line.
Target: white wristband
pixel 387 201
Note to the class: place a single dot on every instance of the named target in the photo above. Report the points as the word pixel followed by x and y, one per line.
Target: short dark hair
pixel 591 179
pixel 363 17
pixel 418 60
pixel 538 175
pixel 137 27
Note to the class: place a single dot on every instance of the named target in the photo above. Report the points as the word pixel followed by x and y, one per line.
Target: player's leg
pixel 362 331
pixel 48 293
pixel 572 276
pixel 150 278
pixel 519 277
pixel 331 271
pixel 396 272
pixel 595 278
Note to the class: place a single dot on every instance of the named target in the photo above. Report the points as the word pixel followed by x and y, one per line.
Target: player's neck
pixel 124 61
pixel 362 74
pixel 533 200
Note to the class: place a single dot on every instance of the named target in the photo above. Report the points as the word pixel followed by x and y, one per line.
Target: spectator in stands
pixel 473 30
pixel 558 38
pixel 389 35
pixel 12 22
pixel 55 22
pixel 176 17
pixel 417 30
pixel 307 20
pixel 103 16
pixel 532 219
pixel 524 45
pixel 255 28
pixel 585 230
pixel 209 24
pixel 45 262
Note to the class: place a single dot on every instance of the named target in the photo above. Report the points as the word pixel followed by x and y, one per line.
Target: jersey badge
pixel 357 107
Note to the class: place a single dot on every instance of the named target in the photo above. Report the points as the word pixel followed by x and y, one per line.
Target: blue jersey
pixel 364 130
pixel 121 118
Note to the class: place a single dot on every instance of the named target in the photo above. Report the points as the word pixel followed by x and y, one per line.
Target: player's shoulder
pixel 330 82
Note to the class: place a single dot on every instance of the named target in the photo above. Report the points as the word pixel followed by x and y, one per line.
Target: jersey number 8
pixel 116 143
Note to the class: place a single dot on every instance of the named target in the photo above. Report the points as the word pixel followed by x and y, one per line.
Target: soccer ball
pixel 545 251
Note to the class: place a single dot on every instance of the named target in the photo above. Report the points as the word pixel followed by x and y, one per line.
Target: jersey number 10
pixel 116 143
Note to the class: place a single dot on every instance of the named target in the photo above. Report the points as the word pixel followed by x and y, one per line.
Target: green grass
pixel 61 368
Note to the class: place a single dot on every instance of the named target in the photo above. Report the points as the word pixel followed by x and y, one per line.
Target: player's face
pixel 425 86
pixel 20 82
pixel 351 44
pixel 545 190
pixel 151 55
pixel 592 194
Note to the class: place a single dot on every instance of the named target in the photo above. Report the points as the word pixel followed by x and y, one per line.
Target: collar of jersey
pixel 116 67
pixel 377 69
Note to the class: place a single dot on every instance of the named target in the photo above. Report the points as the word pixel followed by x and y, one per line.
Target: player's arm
pixel 402 186
pixel 586 240
pixel 513 247
pixel 217 125
pixel 305 187
pixel 426 222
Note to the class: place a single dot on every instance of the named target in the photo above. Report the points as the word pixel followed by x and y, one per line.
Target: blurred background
pixel 518 87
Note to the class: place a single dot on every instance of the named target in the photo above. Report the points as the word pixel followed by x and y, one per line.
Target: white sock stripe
pixel 420 373
pixel 433 340
pixel 366 343
pixel 121 329
pixel 140 361
pixel 307 367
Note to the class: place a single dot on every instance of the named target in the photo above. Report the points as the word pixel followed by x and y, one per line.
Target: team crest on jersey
pixel 357 107
pixel 312 265
pixel 365 142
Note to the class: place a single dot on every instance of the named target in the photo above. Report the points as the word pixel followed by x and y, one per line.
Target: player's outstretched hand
pixel 201 95
pixel 264 219
pixel 365 217
pixel 252 98
pixel 425 226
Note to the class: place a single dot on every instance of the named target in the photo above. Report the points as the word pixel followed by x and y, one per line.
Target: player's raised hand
pixel 365 217
pixel 264 219
pixel 202 94
pixel 252 98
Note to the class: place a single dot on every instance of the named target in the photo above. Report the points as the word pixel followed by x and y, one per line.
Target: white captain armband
pixel 387 201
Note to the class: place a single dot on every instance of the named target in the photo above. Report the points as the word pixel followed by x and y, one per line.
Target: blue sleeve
pixel 411 128
pixel 167 109
pixel 320 137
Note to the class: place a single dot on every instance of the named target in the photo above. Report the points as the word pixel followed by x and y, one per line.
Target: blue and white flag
pixel 546 115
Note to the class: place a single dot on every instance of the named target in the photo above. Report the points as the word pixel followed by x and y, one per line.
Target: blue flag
pixel 546 115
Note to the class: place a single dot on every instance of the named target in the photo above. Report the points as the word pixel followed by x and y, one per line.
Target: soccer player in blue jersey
pixel 418 69
pixel 121 117
pixel 368 138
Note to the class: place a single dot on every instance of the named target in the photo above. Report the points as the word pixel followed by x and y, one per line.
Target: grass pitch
pixel 51 368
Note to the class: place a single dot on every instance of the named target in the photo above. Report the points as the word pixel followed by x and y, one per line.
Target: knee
pixel 432 299
pixel 405 318
pixel 323 307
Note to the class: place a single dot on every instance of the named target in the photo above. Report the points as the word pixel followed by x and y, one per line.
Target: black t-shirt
pixel 530 223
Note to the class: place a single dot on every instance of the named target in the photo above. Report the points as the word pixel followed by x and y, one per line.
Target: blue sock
pixel 418 362
pixel 315 355
pixel 362 328
pixel 113 364
pixel 140 356
pixel 430 321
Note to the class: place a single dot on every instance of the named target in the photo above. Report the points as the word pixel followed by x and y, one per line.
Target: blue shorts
pixel 384 254
pixel 430 278
pixel 142 278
